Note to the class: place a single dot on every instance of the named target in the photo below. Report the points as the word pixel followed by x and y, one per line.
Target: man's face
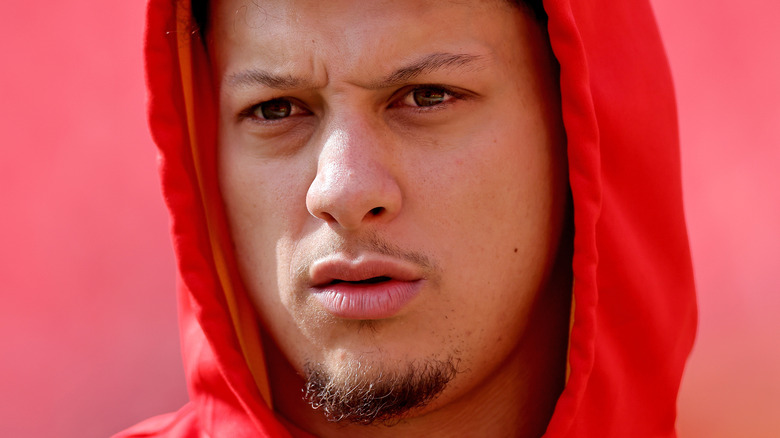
pixel 394 178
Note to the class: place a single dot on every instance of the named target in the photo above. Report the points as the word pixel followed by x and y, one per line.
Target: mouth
pixel 368 287
pixel 372 280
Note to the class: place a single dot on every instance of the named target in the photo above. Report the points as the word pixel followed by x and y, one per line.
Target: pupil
pixel 275 109
pixel 428 97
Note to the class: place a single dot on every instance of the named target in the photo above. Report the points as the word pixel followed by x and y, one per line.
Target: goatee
pixel 362 395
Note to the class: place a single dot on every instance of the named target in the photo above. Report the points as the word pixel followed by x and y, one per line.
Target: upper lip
pixel 342 268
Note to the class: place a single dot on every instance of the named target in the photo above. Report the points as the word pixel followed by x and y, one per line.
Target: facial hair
pixel 358 394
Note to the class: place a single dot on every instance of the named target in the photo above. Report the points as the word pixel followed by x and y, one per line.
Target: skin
pixel 475 183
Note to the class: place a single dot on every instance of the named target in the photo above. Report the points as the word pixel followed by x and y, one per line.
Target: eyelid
pixel 405 92
pixel 250 112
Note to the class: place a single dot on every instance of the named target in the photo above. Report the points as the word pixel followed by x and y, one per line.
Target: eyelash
pixel 250 112
pixel 450 95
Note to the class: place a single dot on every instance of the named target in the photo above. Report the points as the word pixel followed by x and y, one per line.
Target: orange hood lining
pixel 243 320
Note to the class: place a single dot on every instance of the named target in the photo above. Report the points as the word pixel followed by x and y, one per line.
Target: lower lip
pixel 366 301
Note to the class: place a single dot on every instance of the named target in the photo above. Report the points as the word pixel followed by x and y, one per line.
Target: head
pixel 394 174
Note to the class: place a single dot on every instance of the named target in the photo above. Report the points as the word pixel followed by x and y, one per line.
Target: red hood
pixel 634 315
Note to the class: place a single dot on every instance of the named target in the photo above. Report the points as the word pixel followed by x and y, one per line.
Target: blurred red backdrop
pixel 89 340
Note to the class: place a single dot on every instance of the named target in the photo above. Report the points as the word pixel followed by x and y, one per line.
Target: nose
pixel 355 184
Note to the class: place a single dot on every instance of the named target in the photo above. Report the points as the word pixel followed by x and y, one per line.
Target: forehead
pixel 356 36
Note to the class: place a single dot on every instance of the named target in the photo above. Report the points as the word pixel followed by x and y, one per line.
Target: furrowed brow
pixel 254 77
pixel 432 62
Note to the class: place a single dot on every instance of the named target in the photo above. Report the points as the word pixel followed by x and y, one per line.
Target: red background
pixel 89 342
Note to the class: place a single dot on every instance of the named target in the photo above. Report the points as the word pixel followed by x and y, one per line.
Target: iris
pixel 274 109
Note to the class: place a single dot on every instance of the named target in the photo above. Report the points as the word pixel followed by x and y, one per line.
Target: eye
pixel 427 96
pixel 275 109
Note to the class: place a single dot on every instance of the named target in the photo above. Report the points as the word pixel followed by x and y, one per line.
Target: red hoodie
pixel 634 313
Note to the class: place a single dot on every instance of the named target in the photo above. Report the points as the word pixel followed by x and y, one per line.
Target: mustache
pixel 353 247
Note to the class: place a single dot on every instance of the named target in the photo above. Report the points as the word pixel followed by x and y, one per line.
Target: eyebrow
pixel 432 62
pixel 254 77
pixel 427 64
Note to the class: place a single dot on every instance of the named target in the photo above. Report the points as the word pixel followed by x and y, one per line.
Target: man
pixel 373 218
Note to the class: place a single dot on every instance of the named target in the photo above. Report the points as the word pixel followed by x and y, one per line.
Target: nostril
pixel 377 211
pixel 326 216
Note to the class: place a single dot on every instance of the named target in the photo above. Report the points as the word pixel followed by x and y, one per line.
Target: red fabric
pixel 219 381
pixel 634 315
pixel 645 318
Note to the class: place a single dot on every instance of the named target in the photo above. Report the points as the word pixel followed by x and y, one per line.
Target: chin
pixel 375 390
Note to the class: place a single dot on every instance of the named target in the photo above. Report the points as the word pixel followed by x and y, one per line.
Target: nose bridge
pixel 355 183
pixel 341 150
pixel 351 150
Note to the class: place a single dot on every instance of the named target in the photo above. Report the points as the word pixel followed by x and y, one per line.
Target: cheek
pixel 490 207
pixel 266 210
pixel 266 207
pixel 263 197
pixel 496 196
